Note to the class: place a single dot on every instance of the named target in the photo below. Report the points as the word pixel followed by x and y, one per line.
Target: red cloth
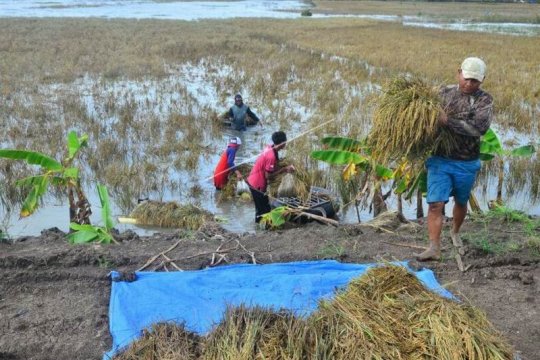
pixel 265 163
pixel 221 172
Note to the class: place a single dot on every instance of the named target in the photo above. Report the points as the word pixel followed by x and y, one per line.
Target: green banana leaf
pixel 342 143
pixel 105 206
pixel 32 158
pixel 82 236
pixel 338 157
pixel 71 172
pixel 490 144
pixel 30 181
pixel 401 186
pixel 420 182
pixel 383 172
pixel 30 204
pixel 525 151
pixel 88 233
pixel 74 143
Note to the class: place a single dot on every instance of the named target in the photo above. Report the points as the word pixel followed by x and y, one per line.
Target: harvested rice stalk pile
pixel 164 341
pixel 257 333
pixel 385 314
pixel 389 314
pixel 170 214
pixel 405 122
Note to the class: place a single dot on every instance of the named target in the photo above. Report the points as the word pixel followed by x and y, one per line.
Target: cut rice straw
pixel 389 314
pixel 405 122
pixel 164 341
pixel 170 215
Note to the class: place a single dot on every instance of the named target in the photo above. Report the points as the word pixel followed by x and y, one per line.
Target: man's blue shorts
pixel 448 177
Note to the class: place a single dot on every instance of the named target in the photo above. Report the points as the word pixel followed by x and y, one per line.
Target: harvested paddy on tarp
pixel 257 333
pixel 164 341
pixel 385 314
pixel 170 215
pixel 389 314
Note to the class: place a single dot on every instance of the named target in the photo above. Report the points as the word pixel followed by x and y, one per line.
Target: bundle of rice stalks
pixel 229 190
pixel 164 341
pixel 405 122
pixel 257 333
pixel 286 187
pixel 297 184
pixel 389 314
pixel 170 214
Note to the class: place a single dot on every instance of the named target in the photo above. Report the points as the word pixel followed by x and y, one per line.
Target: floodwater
pixel 144 9
pixel 196 10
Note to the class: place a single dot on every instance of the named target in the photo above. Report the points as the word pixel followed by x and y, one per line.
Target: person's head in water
pixel 279 138
pixel 238 100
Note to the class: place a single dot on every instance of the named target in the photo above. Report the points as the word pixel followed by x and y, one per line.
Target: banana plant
pixel 60 174
pixel 355 155
pixel 491 150
pixel 84 233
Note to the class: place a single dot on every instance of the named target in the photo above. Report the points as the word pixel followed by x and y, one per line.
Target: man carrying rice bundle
pixel 467 114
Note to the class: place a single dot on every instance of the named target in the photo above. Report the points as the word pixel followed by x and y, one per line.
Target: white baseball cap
pixel 473 68
pixel 235 140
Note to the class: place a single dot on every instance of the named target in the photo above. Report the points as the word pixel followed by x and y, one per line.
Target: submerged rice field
pixel 149 92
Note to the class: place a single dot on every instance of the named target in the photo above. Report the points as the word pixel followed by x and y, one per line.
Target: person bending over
pixel 266 166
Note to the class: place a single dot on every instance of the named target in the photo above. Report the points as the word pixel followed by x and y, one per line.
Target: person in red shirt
pixel 226 164
pixel 266 166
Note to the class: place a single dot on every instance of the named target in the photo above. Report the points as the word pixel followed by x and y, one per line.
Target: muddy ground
pixel 54 296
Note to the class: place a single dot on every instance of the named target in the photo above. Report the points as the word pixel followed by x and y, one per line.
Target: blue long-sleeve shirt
pixel 231 155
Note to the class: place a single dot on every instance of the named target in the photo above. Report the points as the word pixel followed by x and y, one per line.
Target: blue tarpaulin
pixel 198 299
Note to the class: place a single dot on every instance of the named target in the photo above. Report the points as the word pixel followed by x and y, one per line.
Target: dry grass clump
pixel 164 341
pixel 170 214
pixel 389 314
pixel 405 121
